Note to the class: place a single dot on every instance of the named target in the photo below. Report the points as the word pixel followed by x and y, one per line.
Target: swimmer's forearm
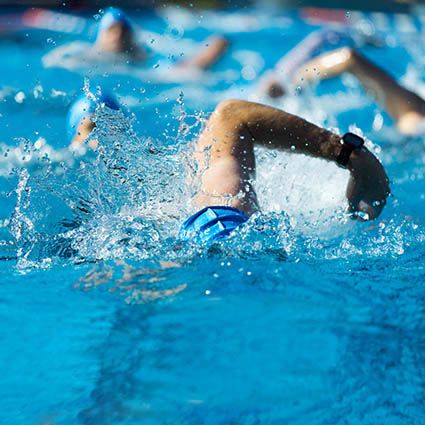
pixel 397 100
pixel 206 58
pixel 368 185
pixel 292 133
pixel 272 128
pixel 325 66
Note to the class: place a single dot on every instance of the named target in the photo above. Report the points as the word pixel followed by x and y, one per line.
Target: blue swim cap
pixel 84 107
pixel 212 223
pixel 113 16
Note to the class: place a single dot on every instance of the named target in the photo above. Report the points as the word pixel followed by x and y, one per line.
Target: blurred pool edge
pixel 399 6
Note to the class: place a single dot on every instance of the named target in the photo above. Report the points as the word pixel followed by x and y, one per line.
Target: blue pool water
pixel 301 317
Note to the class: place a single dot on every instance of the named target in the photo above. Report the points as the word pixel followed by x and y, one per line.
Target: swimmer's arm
pixel 209 55
pixel 273 83
pixel 237 125
pixel 325 66
pixel 236 121
pixel 57 56
pixel 404 106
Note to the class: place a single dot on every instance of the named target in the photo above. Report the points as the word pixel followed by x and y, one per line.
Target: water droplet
pixel 248 73
pixel 20 97
pixel 175 32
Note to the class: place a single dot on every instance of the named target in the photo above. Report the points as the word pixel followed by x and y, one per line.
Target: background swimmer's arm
pixel 225 154
pixel 324 66
pixel 273 83
pixel 83 132
pixel 404 106
pixel 59 55
pixel 214 48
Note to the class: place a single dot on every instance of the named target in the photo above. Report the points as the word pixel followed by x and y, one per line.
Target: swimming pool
pixel 301 317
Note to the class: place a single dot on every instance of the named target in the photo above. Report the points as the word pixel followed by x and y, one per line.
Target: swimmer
pixel 405 107
pixel 274 83
pixel 116 35
pixel 115 44
pixel 226 163
pixel 80 118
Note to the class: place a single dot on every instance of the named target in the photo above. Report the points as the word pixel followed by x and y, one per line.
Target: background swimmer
pixel 116 44
pixel 275 82
pixel 226 161
pixel 116 35
pixel 81 112
pixel 404 106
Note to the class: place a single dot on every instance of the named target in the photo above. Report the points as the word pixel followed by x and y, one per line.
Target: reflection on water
pixel 238 346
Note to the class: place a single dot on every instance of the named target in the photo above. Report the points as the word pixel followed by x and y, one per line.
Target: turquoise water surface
pixel 302 316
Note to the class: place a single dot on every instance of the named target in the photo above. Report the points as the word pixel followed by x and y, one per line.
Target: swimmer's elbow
pixel 229 109
pixel 351 57
pixel 411 123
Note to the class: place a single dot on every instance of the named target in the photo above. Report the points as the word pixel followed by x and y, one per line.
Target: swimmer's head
pixel 81 112
pixel 275 90
pixel 115 33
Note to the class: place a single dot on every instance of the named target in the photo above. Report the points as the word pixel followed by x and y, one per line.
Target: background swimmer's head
pixel 115 33
pixel 275 89
pixel 80 114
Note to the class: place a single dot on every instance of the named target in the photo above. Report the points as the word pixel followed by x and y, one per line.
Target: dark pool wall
pixel 384 5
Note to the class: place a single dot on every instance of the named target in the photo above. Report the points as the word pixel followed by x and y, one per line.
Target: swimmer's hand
pixel 368 187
